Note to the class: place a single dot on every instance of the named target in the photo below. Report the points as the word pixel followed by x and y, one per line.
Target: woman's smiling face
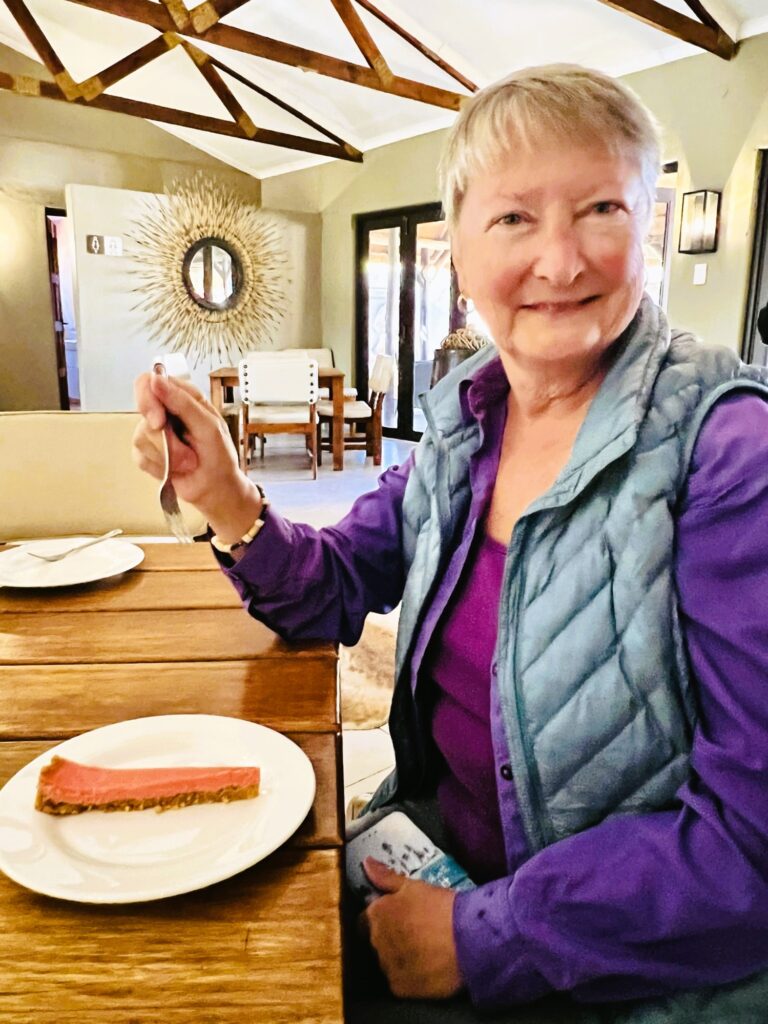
pixel 549 247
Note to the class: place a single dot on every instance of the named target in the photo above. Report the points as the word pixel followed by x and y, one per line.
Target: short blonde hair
pixel 560 101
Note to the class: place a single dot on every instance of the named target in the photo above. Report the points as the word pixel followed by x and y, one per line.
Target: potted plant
pixel 455 348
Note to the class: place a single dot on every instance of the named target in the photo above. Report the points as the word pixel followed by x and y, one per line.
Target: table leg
pixel 337 429
pixel 217 393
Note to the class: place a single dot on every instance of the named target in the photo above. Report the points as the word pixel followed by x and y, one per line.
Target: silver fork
pixel 169 503
pixel 77 547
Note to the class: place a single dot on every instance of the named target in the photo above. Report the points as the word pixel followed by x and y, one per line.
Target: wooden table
pixel 171 637
pixel 327 376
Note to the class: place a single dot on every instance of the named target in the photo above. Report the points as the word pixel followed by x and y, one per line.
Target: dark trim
pixel 757 293
pixel 58 328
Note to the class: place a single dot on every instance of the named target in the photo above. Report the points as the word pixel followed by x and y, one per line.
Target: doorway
pixel 754 348
pixel 406 292
pixel 60 263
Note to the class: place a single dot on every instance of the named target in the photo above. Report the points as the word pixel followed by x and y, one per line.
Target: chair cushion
pixel 278 414
pixel 352 410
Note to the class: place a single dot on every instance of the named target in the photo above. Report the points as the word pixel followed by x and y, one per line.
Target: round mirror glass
pixel 212 273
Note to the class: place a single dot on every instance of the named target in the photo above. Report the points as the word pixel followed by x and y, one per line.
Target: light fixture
pixel 700 221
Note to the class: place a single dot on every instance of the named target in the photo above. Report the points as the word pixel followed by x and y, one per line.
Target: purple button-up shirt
pixel 640 904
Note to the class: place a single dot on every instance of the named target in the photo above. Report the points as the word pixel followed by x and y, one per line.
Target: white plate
pixel 109 558
pixel 131 856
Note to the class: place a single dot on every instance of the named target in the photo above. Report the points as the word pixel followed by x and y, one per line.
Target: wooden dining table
pixel 226 378
pixel 171 637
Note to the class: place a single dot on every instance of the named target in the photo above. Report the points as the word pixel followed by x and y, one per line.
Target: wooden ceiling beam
pixel 43 48
pixel 680 26
pixel 203 64
pixel 208 13
pixel 97 84
pixel 363 39
pixel 424 50
pixel 702 13
pixel 155 15
pixel 24 85
pixel 282 104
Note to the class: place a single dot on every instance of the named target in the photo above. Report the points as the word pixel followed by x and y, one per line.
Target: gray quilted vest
pixel 591 666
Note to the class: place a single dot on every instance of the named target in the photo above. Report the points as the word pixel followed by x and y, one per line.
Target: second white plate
pixel 18 568
pixel 133 856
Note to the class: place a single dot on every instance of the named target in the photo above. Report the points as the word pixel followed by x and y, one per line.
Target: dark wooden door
pixel 58 319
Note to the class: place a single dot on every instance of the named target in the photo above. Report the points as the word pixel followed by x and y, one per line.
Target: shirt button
pixel 506 772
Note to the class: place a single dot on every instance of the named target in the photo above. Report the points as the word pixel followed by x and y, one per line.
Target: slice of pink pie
pixel 66 787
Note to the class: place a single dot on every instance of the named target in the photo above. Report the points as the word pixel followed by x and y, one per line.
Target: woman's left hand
pixel 411 929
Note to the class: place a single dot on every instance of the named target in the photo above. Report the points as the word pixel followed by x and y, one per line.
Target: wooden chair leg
pixel 312 442
pixel 376 431
pixel 319 443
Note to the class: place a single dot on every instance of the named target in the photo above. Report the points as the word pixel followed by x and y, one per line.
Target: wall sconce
pixel 700 222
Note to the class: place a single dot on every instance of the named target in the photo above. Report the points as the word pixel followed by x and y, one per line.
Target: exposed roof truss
pixel 180 27
pixel 705 33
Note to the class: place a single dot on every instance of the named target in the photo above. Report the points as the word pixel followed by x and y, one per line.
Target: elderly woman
pixel 579 546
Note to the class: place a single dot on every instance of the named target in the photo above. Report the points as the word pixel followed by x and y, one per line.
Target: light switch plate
pixel 700 273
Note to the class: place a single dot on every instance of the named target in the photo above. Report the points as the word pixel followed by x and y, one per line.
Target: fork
pixel 169 503
pixel 77 547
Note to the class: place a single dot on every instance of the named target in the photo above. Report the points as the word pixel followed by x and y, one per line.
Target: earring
pixel 462 303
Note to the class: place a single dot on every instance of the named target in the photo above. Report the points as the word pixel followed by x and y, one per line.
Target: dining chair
pixel 325 360
pixel 363 419
pixel 279 397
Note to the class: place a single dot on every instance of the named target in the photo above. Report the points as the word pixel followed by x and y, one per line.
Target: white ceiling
pixel 484 40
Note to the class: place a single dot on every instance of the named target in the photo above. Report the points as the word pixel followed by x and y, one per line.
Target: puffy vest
pixel 592 669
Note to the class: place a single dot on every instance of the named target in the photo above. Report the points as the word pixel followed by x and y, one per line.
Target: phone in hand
pixel 400 844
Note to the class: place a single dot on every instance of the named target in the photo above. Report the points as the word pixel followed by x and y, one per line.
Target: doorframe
pixel 58 326
pixel 406 218
pixel 757 294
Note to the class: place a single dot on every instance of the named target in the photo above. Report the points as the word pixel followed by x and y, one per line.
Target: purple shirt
pixel 640 904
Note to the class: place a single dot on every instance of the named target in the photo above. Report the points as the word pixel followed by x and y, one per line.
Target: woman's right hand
pixel 204 467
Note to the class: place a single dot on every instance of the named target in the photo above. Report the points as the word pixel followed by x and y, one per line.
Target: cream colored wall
pixel 45 145
pixel 715 116
pixel 114 343
pixel 27 351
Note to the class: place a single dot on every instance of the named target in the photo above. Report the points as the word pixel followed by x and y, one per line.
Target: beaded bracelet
pixel 245 540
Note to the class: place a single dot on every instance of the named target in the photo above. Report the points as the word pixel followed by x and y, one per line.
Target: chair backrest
pixel 322 356
pixel 67 473
pixel 380 380
pixel 272 380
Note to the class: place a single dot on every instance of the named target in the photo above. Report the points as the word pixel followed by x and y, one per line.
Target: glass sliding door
pixel 382 285
pixel 431 305
pixel 406 304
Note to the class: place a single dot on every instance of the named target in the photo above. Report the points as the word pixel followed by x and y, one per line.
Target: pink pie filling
pixel 67 782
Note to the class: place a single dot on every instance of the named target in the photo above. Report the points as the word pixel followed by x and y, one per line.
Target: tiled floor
pixel 286 478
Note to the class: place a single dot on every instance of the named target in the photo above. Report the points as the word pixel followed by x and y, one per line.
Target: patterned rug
pixel 367 674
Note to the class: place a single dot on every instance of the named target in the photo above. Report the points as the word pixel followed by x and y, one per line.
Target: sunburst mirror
pixel 210 271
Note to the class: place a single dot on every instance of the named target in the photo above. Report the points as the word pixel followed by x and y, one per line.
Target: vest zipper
pixel 523 762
